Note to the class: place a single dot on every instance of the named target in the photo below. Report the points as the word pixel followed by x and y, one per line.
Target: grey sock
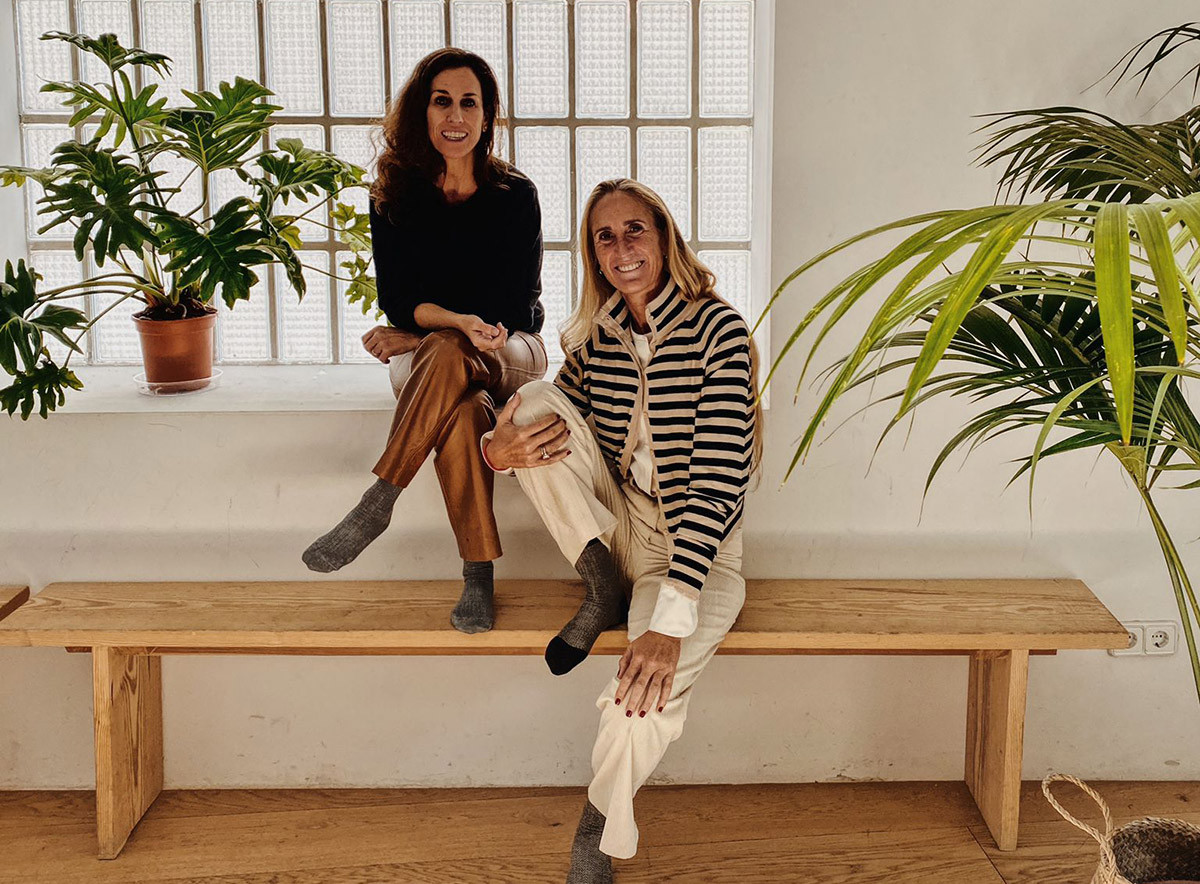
pixel 354 533
pixel 588 864
pixel 474 611
pixel 604 606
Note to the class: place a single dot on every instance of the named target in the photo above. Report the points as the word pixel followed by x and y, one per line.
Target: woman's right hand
pixel 528 446
pixel 384 342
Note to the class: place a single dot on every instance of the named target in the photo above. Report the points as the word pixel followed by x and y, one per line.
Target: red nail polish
pixel 642 714
pixel 618 701
pixel 629 714
pixel 660 709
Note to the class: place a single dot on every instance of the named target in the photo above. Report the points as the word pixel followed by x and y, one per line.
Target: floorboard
pixel 829 833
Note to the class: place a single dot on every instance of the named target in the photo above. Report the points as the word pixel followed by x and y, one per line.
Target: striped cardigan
pixel 700 403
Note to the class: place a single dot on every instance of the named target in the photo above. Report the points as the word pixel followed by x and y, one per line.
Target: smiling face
pixel 629 247
pixel 455 113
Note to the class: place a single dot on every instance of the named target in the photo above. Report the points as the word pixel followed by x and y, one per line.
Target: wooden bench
pixel 129 626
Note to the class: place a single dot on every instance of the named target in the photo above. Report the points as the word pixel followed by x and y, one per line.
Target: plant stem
pixel 1184 594
pixel 85 329
pixel 327 273
pixel 101 291
pixel 319 205
pixel 95 280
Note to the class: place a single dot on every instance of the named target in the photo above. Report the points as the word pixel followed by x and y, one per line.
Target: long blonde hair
pixel 694 279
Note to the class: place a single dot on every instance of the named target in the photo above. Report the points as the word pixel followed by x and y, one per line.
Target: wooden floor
pixel 851 833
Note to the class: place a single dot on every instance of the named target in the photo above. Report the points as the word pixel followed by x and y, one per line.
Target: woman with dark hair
pixel 457 241
pixel 643 489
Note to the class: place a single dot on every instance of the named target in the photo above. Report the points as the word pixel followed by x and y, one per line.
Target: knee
pixel 539 399
pixel 446 345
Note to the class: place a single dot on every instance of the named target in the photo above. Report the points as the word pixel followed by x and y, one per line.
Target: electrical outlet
pixel 1160 638
pixel 1137 642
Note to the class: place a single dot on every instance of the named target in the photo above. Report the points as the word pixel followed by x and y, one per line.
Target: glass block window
pixel 660 90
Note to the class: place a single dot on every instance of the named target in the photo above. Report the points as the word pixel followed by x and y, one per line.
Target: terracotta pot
pixel 175 351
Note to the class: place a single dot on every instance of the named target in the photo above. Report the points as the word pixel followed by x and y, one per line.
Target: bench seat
pixel 129 626
pixel 412 617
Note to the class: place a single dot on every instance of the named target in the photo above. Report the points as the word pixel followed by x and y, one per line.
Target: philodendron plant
pixel 145 243
pixel 1076 318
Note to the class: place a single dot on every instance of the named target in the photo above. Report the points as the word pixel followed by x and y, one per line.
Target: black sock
pixel 604 606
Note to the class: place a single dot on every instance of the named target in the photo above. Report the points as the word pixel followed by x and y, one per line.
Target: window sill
pixel 241 389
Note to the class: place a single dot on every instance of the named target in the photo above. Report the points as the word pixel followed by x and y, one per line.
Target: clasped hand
pixel 383 342
pixel 647 673
pixel 483 335
pixel 536 445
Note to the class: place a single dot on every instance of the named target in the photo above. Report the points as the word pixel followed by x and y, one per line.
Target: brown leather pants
pixel 443 405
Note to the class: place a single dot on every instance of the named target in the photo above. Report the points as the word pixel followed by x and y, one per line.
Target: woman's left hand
pixel 646 672
pixel 384 342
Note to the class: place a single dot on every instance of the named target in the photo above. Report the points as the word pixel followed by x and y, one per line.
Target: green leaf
pixel 983 263
pixel 103 193
pixel 1152 230
pixel 353 227
pixel 108 107
pixel 293 171
pixel 17 176
pixel 112 54
pixel 1073 153
pixel 218 257
pixel 362 288
pixel 22 327
pixel 1050 423
pixel 1115 299
pixel 221 128
pixel 43 387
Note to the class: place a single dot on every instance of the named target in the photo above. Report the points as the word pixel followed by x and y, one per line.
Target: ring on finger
pixel 545 453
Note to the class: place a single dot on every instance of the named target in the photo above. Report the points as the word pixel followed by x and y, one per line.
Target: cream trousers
pixel 579 500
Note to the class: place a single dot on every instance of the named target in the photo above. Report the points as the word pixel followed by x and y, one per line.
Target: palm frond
pixel 1074 153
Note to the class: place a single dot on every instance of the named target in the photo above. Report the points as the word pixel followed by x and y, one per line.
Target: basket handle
pixel 1102 838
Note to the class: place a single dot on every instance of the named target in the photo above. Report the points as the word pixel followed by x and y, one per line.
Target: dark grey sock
pixel 604 606
pixel 354 533
pixel 588 864
pixel 474 611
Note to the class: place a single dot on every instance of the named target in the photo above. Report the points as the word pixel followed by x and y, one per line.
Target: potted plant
pixel 1076 317
pixel 147 246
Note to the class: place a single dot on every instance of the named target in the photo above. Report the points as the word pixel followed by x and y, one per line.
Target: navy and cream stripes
pixel 700 402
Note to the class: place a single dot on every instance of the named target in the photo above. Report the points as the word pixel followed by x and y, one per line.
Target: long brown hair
pixel 690 274
pixel 406 147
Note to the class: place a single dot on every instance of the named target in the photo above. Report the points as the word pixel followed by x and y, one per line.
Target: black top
pixel 482 256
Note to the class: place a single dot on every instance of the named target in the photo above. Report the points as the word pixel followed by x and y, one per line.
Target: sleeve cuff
pixel 483 441
pixel 676 612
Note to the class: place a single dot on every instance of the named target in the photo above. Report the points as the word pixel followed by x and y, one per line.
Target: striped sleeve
pixel 570 381
pixel 722 445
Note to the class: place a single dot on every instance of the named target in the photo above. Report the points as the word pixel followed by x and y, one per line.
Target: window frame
pixel 758 245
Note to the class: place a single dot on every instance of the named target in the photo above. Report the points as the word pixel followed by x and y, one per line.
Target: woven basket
pixel 1144 851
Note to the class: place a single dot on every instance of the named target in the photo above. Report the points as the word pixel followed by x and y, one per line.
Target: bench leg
pixel 996 694
pixel 127 691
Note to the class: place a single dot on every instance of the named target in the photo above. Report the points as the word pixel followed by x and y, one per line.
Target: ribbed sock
pixel 588 864
pixel 604 606
pixel 354 533
pixel 474 611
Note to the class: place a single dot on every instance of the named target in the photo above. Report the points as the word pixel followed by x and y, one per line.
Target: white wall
pixel 12 236
pixel 873 120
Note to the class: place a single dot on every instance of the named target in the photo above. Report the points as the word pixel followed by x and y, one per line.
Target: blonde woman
pixel 637 458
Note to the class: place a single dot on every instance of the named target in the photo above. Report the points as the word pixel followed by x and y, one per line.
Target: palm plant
pixel 172 258
pixel 1076 317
